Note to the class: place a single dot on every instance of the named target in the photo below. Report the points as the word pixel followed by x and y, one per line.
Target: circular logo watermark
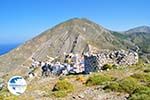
pixel 17 85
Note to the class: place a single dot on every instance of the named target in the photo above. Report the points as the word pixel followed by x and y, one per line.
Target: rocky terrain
pixel 130 48
pixel 74 35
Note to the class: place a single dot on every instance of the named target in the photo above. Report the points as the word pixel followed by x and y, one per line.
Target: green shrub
pixel 98 80
pixel 62 88
pixel 120 36
pixel 113 86
pixel 107 66
pixel 60 94
pixel 141 93
pixel 6 95
pixel 142 89
pixel 142 77
pixel 139 97
pixel 114 66
pixel 129 84
pixel 63 85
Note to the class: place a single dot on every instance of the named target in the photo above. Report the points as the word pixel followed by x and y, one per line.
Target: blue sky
pixel 21 20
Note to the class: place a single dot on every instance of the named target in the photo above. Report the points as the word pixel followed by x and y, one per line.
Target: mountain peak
pixel 74 35
pixel 79 19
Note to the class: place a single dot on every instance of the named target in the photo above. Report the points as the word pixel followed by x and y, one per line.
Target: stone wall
pixel 117 57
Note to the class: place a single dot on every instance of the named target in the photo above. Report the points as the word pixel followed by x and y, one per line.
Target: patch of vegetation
pixel 115 42
pixel 140 66
pixel 129 84
pixel 113 86
pixel 109 66
pixel 142 40
pixel 142 77
pixel 62 88
pixel 60 94
pixel 5 95
pixel 63 85
pixel 119 35
pixel 141 93
pixel 98 80
pixel 114 66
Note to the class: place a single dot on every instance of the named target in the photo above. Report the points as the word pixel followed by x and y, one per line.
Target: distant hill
pixel 75 35
pixel 140 36
pixel 140 29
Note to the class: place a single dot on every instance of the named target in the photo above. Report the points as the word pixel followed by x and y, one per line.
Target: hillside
pixel 140 36
pixel 140 29
pixel 137 38
pixel 113 81
pixel 74 35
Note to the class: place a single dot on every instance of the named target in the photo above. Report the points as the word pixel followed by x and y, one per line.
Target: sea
pixel 5 48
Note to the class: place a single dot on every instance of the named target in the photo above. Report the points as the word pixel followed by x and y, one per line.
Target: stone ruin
pixel 89 62
pixel 96 61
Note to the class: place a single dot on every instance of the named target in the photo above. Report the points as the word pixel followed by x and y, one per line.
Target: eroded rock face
pixel 116 57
